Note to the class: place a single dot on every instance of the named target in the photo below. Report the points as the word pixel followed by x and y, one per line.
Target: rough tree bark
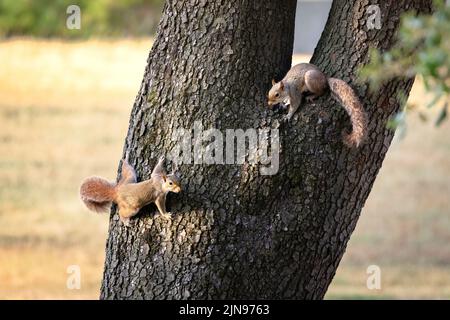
pixel 235 233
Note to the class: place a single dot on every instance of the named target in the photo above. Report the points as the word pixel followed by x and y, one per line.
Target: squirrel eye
pixel 277 95
pixel 170 183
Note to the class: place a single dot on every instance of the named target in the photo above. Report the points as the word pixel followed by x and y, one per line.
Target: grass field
pixel 64 111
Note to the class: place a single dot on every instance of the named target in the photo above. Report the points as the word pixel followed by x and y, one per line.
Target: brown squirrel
pixel 130 195
pixel 306 81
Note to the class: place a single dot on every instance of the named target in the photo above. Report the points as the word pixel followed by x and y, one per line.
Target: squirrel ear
pixel 281 85
pixel 273 82
pixel 159 168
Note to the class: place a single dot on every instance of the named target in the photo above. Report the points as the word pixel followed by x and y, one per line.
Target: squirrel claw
pixel 126 222
pixel 167 215
pixel 311 99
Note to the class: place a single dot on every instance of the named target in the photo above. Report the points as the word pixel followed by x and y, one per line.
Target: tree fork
pixel 235 233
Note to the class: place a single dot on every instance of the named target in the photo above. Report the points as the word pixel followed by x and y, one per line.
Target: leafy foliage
pixel 422 49
pixel 47 18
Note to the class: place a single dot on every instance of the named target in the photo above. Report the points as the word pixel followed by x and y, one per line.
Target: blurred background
pixel 65 101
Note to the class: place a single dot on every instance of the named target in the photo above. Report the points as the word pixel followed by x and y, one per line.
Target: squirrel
pixel 306 81
pixel 130 195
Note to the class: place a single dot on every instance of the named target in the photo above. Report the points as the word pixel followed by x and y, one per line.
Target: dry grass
pixel 40 271
pixel 64 111
pixel 63 116
pixel 403 281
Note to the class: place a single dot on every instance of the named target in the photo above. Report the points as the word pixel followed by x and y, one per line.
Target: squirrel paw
pixel 311 98
pixel 126 221
pixel 167 215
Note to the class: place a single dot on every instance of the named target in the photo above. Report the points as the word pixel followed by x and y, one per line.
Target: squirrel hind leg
pixel 315 83
pixel 125 214
pixel 128 174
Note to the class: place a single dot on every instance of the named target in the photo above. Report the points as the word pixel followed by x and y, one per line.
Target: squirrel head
pixel 170 183
pixel 277 94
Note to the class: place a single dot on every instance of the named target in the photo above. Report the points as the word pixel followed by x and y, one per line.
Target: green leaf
pixel 435 99
pixel 423 117
pixel 396 121
pixel 442 115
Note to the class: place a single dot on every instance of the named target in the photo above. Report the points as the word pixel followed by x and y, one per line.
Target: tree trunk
pixel 236 233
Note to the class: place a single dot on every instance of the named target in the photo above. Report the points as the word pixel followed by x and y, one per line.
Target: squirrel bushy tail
pixel 349 100
pixel 97 194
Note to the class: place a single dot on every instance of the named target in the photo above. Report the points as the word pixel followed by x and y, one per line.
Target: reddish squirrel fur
pixel 130 195
pixel 305 80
